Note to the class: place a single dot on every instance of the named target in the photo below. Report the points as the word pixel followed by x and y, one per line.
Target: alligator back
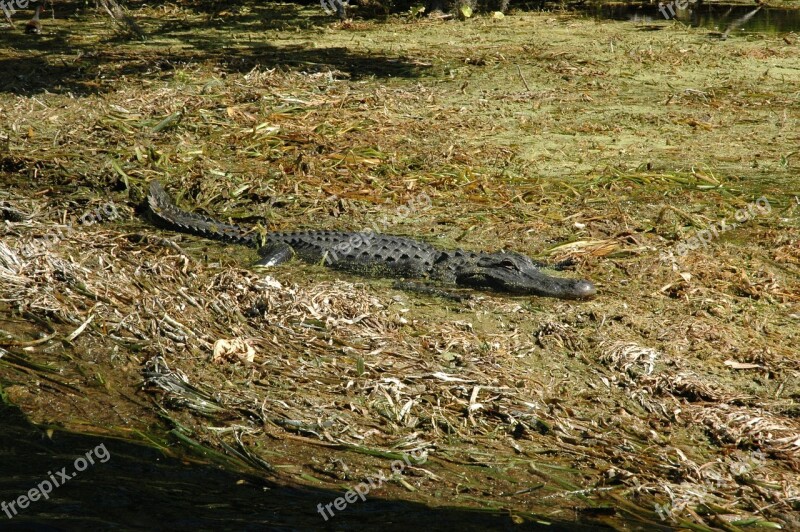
pixel 358 252
pixel 362 252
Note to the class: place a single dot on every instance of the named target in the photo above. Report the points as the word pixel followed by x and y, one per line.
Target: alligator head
pixel 516 273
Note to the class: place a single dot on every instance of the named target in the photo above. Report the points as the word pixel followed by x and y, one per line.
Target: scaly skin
pixel 382 255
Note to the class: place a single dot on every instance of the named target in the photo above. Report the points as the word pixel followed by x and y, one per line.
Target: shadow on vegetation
pixel 235 42
pixel 138 487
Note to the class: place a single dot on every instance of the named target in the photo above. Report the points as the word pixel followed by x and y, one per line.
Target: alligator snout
pixel 583 290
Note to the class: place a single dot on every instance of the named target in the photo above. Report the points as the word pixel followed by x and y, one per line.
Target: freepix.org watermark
pixel 703 238
pixel 334 7
pixel 10 7
pixel 668 9
pixel 361 490
pixel 105 213
pixel 55 480
pixel 421 202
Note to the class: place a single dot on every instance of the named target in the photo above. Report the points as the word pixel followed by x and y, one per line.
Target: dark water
pixel 137 488
pixel 734 18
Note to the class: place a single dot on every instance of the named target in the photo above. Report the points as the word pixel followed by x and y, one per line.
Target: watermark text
pixel 361 490
pixel 55 480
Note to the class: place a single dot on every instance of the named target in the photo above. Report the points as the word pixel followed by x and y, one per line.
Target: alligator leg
pixel 274 254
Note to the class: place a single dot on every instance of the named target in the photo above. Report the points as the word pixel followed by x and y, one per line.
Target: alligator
pixel 379 255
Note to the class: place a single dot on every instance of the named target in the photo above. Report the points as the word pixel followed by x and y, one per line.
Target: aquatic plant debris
pixel 670 401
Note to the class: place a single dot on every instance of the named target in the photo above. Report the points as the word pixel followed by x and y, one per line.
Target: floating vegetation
pixel 669 401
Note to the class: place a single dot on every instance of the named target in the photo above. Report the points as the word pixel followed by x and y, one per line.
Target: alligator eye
pixel 508 264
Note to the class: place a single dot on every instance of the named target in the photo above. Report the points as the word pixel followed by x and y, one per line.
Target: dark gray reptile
pixel 376 254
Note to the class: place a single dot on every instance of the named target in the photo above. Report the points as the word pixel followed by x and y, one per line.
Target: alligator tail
pixel 167 212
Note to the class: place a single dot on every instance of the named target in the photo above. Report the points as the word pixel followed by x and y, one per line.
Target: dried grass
pixel 668 402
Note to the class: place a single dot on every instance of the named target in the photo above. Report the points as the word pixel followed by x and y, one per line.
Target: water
pixel 731 18
pixel 138 488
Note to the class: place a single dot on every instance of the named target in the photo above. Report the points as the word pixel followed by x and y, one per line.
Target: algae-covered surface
pixel 660 158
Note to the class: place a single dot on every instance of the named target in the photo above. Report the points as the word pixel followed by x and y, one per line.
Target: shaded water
pixel 732 18
pixel 138 488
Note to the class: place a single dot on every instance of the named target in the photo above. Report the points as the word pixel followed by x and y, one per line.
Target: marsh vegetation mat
pixel 664 163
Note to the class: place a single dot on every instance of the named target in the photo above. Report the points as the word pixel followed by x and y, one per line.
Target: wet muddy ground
pixel 663 162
